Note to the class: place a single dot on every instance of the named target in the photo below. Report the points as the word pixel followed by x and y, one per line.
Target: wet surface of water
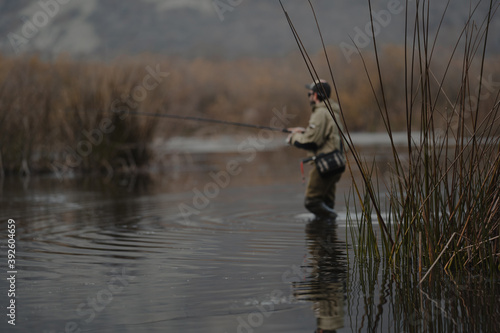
pixel 189 251
pixel 135 264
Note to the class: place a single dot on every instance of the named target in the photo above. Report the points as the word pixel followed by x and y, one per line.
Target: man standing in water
pixel 321 136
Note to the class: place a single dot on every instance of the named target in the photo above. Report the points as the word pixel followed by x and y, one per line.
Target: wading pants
pixel 320 194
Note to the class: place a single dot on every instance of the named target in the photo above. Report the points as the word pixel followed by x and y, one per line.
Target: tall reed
pixel 448 191
pixel 443 193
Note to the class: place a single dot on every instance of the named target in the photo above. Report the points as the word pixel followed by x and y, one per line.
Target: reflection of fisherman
pixel 321 136
pixel 324 285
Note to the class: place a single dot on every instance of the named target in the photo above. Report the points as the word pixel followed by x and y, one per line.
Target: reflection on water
pixel 116 255
pixel 324 284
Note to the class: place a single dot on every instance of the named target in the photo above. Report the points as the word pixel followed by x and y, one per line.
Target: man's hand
pixel 297 129
pixel 294 130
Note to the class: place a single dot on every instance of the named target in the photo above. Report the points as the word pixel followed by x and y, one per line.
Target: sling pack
pixel 331 163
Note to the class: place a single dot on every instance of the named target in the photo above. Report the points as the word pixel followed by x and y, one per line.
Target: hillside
pixel 210 28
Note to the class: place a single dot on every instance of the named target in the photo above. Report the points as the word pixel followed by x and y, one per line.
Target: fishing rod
pixel 208 120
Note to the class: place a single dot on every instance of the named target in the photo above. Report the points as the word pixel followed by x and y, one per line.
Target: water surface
pixel 190 250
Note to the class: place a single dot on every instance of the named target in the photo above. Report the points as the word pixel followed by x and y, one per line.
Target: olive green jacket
pixel 322 134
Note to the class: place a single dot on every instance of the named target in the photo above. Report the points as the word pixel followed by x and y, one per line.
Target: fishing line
pixel 208 120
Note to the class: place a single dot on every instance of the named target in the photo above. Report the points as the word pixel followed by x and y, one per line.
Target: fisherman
pixel 321 136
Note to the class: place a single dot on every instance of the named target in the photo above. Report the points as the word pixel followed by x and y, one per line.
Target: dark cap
pixel 320 87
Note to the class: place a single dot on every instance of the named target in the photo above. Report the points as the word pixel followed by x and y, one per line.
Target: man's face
pixel 312 97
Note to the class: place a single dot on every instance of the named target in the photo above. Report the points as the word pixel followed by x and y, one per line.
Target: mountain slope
pixel 220 28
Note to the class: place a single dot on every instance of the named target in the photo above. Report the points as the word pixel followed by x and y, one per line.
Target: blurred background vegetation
pixel 46 106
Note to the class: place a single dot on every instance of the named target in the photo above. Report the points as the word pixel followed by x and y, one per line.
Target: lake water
pixel 217 241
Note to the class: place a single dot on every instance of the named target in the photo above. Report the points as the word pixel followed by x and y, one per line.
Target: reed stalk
pixel 443 201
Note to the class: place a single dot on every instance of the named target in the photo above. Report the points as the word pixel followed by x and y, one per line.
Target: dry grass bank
pixel 58 115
